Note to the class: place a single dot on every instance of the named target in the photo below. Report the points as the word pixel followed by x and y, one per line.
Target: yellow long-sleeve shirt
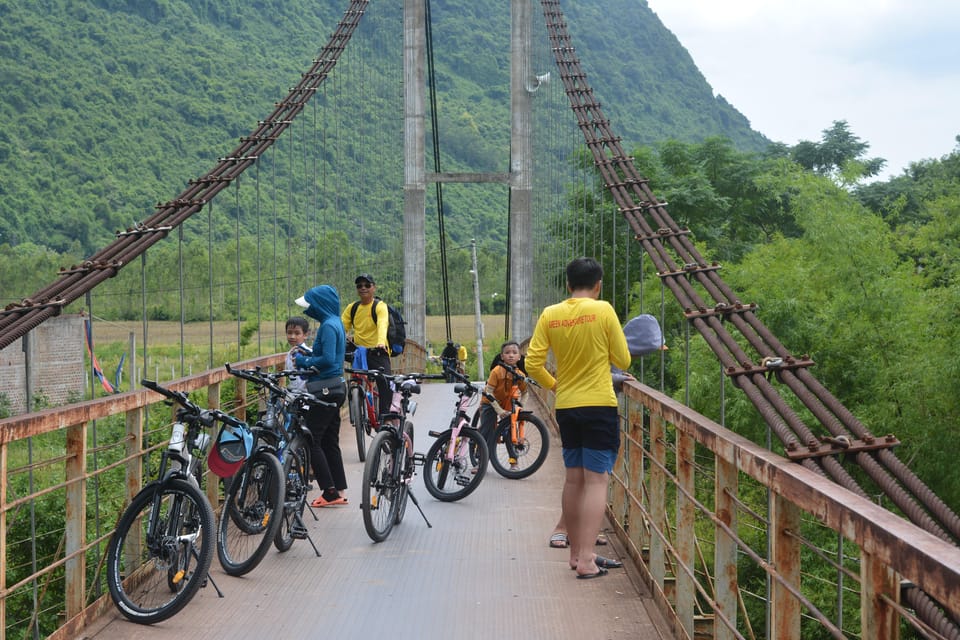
pixel 586 338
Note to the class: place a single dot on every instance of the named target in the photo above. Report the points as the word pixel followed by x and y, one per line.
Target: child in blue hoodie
pixel 322 303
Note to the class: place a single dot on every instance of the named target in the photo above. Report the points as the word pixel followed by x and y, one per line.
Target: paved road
pixel 484 570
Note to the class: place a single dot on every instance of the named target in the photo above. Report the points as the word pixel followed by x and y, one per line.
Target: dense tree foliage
pixel 862 278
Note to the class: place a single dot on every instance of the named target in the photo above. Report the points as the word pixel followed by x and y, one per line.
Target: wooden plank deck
pixel 484 570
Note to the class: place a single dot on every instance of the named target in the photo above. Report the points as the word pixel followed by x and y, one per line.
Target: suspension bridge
pixel 905 564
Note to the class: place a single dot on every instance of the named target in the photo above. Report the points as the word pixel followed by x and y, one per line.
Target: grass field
pixel 224 333
pixel 111 340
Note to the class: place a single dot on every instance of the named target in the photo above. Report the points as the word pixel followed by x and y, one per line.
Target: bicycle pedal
pixel 419 458
pixel 298 532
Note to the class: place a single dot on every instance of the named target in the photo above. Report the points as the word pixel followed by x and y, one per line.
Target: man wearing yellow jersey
pixel 585 336
pixel 369 334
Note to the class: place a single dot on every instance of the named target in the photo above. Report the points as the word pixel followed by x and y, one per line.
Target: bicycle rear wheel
pixel 523 458
pixel 251 514
pixel 381 487
pixel 451 480
pixel 358 418
pixel 159 557
pixel 296 469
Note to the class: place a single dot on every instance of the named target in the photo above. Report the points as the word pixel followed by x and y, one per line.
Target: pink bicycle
pixel 457 460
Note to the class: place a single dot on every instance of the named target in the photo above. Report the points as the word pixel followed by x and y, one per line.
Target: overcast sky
pixel 890 68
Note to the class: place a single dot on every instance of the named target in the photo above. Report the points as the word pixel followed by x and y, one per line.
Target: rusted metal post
pixel 878 619
pixel 725 549
pixel 658 508
pixel 785 608
pixel 134 467
pixel 633 515
pixel 213 402
pixel 686 531
pixel 76 517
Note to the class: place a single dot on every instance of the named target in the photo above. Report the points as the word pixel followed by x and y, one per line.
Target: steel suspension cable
pixel 435 129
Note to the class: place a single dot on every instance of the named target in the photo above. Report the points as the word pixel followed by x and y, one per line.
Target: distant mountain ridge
pixel 113 105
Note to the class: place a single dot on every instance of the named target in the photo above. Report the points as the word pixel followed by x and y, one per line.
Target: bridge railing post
pixel 76 518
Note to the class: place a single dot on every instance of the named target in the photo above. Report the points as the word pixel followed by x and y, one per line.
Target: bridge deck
pixel 483 571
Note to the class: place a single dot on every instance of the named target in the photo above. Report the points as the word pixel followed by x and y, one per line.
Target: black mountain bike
pixel 284 429
pixel 390 460
pixel 253 506
pixel 159 555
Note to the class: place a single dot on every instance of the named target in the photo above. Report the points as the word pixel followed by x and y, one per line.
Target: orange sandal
pixel 323 502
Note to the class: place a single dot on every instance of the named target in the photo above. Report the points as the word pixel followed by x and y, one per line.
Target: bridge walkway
pixel 484 570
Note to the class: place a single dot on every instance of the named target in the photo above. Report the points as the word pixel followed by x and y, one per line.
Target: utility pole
pixel 476 306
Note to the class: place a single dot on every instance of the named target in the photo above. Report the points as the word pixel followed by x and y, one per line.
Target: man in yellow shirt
pixel 369 334
pixel 585 336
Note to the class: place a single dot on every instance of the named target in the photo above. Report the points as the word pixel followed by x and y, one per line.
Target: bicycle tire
pixel 359 419
pixel 452 480
pixel 380 486
pixel 251 513
pixel 296 474
pixel 406 475
pixel 529 454
pixel 150 583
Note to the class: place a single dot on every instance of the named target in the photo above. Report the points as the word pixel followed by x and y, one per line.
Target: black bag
pixel 329 389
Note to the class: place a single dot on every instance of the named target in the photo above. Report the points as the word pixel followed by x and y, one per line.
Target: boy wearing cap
pixel 369 334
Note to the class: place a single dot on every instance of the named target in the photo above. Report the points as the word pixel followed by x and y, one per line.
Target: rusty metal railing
pixel 62 486
pixel 684 485
pixel 65 476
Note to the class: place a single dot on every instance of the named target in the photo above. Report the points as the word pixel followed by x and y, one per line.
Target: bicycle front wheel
pixel 358 418
pixel 406 476
pixel 516 460
pixel 160 552
pixel 296 469
pixel 450 480
pixel 251 514
pixel 381 486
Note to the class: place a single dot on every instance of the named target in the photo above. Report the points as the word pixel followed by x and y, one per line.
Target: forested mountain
pixel 110 106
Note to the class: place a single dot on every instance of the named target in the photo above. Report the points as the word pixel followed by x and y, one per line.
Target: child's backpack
pixel 396 330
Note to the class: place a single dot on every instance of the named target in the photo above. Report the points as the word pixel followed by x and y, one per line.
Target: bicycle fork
pixel 414 459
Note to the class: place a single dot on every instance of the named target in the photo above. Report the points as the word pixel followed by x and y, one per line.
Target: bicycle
pixel 457 461
pixel 519 444
pixel 362 405
pixel 160 552
pixel 285 430
pixel 253 505
pixel 390 460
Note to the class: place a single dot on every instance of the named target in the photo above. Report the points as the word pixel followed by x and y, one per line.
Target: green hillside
pixel 111 106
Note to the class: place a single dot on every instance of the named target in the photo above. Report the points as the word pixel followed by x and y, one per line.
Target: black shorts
pixel 589 428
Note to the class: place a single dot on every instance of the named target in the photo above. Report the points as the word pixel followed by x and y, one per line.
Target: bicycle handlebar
pixel 269 380
pixel 204 416
pixel 462 377
pixel 395 377
pixel 518 374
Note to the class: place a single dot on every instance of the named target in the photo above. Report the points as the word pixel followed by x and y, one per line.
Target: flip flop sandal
pixel 608 563
pixel 559 541
pixel 587 576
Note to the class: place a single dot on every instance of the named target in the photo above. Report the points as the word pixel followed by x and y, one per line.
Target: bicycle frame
pixel 371 396
pixel 467 393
